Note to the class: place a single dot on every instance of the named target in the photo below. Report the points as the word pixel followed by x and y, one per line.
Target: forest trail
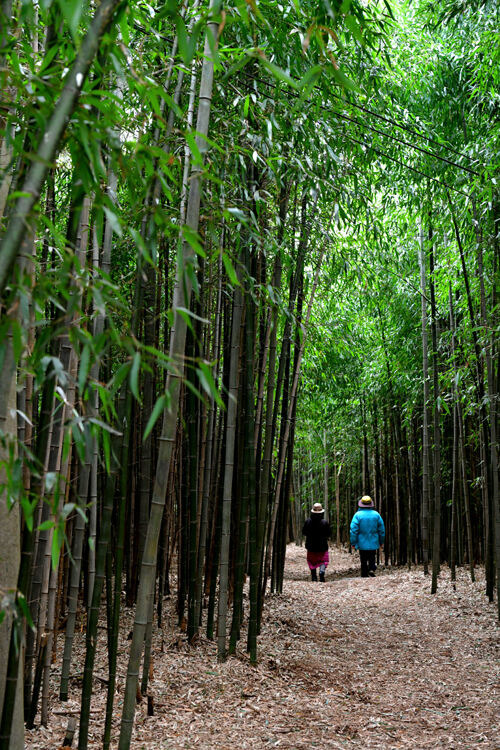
pixel 352 663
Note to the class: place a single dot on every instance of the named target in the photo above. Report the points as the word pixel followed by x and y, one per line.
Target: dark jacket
pixel 316 531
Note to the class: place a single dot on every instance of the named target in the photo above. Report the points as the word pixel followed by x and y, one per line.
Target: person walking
pixel 317 531
pixel 367 534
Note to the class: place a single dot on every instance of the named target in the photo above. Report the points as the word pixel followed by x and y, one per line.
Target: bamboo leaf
pixel 195 151
pixel 119 376
pixel 343 80
pixel 278 73
pixel 134 375
pixel 25 610
pixel 310 77
pixel 103 426
pixel 238 65
pixel 160 405
pixel 230 270
pixel 45 525
pixel 353 27
pixel 55 551
pixel 207 381
pixel 193 315
pixel 106 445
pixel 113 220
pixel 79 440
pixel 193 239
pixel 182 39
pixel 72 11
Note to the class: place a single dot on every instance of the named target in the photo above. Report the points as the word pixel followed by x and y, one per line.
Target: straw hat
pixel 317 508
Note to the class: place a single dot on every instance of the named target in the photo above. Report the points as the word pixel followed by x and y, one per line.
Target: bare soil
pixel 351 663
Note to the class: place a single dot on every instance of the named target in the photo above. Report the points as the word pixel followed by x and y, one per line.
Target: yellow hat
pixel 366 502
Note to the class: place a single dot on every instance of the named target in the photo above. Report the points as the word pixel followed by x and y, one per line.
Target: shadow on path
pixel 333 575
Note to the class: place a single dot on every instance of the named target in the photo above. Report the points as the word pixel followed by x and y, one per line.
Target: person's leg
pixel 363 556
pixel 322 569
pixel 314 577
pixel 371 562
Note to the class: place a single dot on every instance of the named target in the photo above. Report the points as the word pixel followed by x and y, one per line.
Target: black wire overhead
pixel 371 127
pixel 405 127
pixel 406 166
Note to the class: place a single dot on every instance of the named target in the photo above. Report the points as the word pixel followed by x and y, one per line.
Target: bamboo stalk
pixel 182 297
pixel 51 138
pixel 425 429
pixel 293 394
pixel 436 547
pixel 230 441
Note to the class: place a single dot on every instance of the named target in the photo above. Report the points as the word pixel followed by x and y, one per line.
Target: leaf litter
pixel 351 663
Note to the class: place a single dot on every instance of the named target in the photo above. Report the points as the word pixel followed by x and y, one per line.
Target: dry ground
pixel 352 663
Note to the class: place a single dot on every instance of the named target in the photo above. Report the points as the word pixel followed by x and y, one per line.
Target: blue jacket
pixel 367 529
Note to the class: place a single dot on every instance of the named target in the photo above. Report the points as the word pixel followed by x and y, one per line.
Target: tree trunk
pixel 11 666
pixel 232 408
pixel 425 429
pixel 182 298
pixel 51 138
pixel 436 548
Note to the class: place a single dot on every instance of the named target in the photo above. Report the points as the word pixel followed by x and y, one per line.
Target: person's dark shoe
pixel 322 577
pixel 314 576
pixel 372 574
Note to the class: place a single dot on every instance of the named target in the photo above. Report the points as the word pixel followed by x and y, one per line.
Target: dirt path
pixel 352 663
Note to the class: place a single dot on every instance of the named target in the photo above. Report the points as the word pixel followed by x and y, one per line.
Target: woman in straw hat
pixel 316 531
pixel 367 534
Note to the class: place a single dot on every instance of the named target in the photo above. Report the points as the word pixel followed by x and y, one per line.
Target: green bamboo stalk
pixel 113 650
pixel 248 512
pixel 209 467
pixel 214 558
pixel 291 406
pixel 83 481
pixel 436 547
pixel 51 138
pixel 44 429
pixel 425 428
pixel 14 565
pixel 193 494
pixel 182 298
pixel 493 383
pixel 229 471
pixel 93 615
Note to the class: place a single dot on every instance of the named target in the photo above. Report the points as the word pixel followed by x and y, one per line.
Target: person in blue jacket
pixel 367 534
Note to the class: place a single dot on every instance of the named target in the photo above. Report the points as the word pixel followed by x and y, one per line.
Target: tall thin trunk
pixel 182 298
pixel 293 393
pixel 232 407
pixel 59 464
pixel 93 614
pixel 493 374
pixel 480 393
pixel 51 138
pixel 436 548
pixel 120 537
pixel 425 428
pixel 11 666
pixel 210 452
pixel 191 419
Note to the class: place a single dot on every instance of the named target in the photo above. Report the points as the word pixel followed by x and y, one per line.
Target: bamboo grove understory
pixel 249 260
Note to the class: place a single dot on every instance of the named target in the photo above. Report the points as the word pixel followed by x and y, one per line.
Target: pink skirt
pixel 315 559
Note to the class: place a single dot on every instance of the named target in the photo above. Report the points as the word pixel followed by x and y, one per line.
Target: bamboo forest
pixel 249 290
